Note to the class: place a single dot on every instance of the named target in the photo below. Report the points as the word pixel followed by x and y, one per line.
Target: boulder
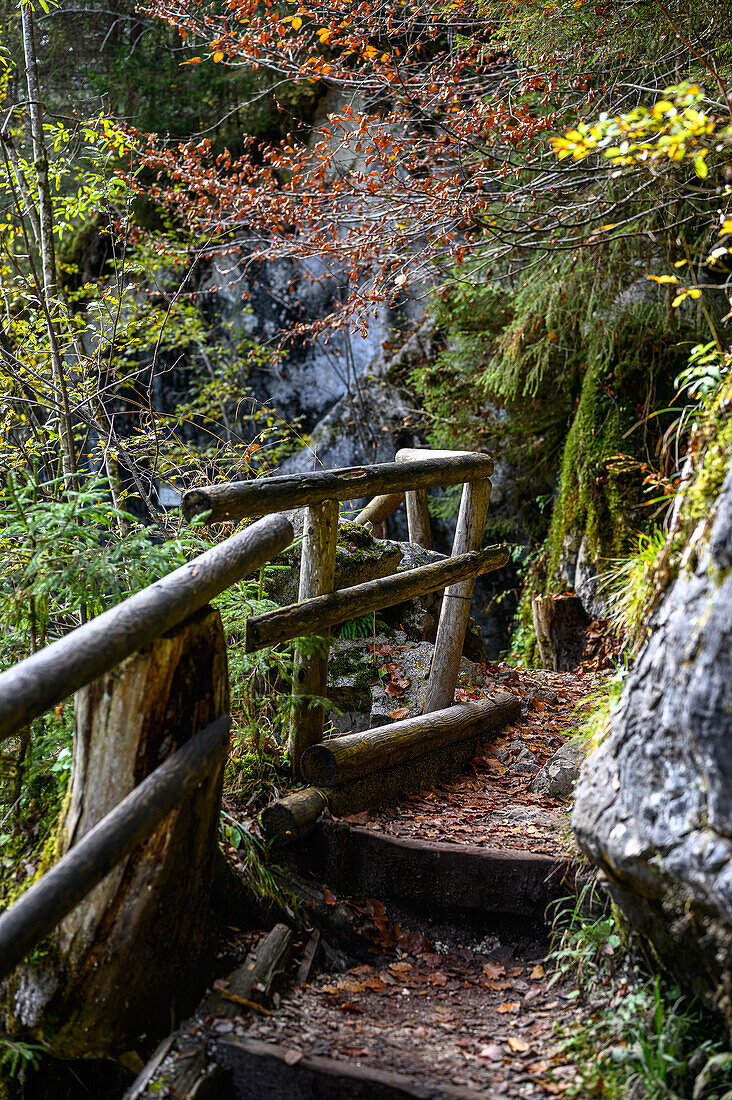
pixel 559 775
pixel 653 803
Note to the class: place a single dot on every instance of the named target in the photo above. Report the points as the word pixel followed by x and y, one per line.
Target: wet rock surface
pixel 654 802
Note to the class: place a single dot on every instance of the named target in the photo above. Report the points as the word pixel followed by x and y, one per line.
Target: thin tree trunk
pixel 45 229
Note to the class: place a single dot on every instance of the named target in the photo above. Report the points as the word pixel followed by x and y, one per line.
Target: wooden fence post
pixel 418 519
pixel 135 946
pixel 456 600
pixel 317 574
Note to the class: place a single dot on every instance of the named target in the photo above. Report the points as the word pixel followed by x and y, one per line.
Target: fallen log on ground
pixel 290 818
pixel 357 754
pixel 321 612
pixel 386 763
pixel 184 1067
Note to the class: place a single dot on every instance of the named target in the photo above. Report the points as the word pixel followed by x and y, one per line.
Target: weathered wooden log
pixel 356 754
pixel 561 624
pixel 265 1069
pixel 253 983
pixel 418 519
pixel 317 573
pixel 50 675
pixel 455 610
pixel 289 818
pixel 182 1066
pixel 140 939
pixel 235 499
pixel 322 612
pixel 378 510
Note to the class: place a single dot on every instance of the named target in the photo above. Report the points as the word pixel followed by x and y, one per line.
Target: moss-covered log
pixel 357 754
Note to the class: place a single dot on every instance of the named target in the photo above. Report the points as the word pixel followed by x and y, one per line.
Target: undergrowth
pixel 634 1036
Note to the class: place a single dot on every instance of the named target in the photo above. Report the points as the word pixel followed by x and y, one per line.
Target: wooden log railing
pixel 150 683
pixel 318 608
pixel 151 740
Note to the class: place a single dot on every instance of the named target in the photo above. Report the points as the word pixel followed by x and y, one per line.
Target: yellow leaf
pixel 695 293
pixel 323 34
pixel 218 56
pixel 700 167
pixel 663 278
pixel 680 263
pixel 679 299
pixel 296 23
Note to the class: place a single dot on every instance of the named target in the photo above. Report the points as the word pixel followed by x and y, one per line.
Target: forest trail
pixel 442 989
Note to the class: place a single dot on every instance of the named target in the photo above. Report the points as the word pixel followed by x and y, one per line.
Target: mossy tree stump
pixel 132 952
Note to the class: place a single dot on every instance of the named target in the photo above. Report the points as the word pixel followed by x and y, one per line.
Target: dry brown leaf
pixel 517 1045
pixel 509 1006
pixel 537 973
pixel 493 969
pixel 399 713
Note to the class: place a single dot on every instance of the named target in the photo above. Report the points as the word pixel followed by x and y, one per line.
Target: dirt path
pixel 448 1009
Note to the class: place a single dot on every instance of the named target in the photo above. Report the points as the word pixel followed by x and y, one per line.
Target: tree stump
pixel 560 623
pixel 134 949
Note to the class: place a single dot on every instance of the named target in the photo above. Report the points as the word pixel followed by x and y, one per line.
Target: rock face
pixel 654 802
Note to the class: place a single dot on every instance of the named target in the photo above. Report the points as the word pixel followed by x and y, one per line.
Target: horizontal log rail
pixel 48 901
pixel 59 669
pixel 162 614
pixel 31 687
pixel 322 612
pixel 234 500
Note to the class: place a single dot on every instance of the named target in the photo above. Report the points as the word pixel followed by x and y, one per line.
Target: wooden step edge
pixel 266 1069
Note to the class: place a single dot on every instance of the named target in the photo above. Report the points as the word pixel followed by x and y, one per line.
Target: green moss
pixel 710 475
pixel 630 370
pixel 356 536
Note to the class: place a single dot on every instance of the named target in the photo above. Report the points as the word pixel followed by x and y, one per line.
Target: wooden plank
pixel 268 1070
pixel 50 675
pixel 456 601
pixel 252 983
pixel 322 612
pixel 235 499
pixel 49 900
pixel 418 519
pixel 357 754
pixel 310 678
pixel 435 878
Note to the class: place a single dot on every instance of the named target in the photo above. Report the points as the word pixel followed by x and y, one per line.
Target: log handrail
pixel 45 904
pixel 50 675
pixel 233 500
pixel 322 612
pixel 43 680
pixel 59 669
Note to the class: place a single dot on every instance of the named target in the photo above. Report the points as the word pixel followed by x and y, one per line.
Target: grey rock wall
pixel 654 802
